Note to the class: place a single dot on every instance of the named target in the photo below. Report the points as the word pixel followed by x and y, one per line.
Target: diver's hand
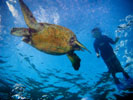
pixel 98 55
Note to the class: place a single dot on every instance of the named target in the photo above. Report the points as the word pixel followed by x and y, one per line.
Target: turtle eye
pixel 71 41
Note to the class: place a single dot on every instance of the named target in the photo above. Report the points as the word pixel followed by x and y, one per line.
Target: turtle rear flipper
pixel 75 60
pixel 20 31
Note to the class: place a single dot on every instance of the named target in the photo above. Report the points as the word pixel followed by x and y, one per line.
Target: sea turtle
pixel 49 38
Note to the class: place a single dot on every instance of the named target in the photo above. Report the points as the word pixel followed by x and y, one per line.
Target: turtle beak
pixel 82 46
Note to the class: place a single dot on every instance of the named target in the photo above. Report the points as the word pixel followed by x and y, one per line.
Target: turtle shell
pixel 53 39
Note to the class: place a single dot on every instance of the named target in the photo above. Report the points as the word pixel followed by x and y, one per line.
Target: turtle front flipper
pixel 28 16
pixel 24 32
pixel 20 31
pixel 75 60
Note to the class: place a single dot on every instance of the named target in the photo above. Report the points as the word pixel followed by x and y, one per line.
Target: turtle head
pixel 77 45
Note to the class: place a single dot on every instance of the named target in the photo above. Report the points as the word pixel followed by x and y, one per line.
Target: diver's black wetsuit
pixel 102 44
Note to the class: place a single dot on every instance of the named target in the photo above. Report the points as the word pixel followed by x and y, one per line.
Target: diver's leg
pixel 75 60
pixel 28 16
pixel 115 79
pixel 118 67
pixel 114 69
pixel 125 74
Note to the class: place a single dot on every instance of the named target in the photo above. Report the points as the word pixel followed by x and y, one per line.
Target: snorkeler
pixel 102 47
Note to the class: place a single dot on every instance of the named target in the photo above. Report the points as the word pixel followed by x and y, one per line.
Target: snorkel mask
pixel 96 32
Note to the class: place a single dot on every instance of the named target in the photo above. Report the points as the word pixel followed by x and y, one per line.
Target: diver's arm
pixel 96 50
pixel 116 40
pixel 111 41
pixel 98 55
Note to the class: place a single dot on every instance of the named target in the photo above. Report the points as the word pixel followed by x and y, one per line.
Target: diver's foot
pixel 120 86
pixel 116 81
pixel 126 75
pixel 129 81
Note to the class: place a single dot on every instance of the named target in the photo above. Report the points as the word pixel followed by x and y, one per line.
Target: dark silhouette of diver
pixel 102 47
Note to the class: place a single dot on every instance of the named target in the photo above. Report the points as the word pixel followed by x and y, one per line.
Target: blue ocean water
pixel 38 75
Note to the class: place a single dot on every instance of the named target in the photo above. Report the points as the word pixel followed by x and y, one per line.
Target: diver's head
pixel 96 32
